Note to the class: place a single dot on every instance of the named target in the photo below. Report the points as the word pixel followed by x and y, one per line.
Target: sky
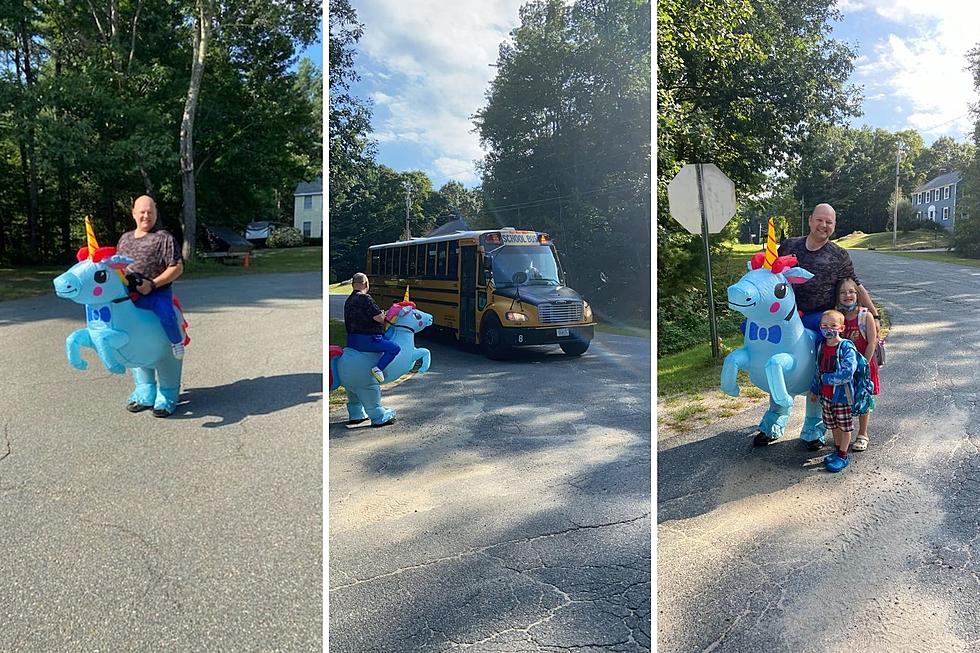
pixel 911 61
pixel 426 70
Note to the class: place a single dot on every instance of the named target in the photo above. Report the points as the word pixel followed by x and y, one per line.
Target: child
pixel 861 329
pixel 833 383
pixel 364 321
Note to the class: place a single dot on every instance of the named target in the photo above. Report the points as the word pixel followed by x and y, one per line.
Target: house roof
pixel 942 180
pixel 314 187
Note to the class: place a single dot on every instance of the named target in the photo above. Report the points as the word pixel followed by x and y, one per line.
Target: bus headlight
pixel 517 317
pixel 587 312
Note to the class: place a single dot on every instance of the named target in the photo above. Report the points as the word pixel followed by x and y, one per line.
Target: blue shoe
pixel 831 457
pixel 837 464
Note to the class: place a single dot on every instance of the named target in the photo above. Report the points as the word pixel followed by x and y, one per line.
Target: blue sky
pixel 911 59
pixel 426 70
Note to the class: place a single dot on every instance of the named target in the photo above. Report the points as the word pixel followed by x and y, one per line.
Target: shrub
pixel 285 237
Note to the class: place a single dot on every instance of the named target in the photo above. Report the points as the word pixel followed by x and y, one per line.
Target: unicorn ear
pixel 797 275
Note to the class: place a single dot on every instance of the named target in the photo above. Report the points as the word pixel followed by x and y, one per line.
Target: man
pixel 828 262
pixel 157 263
pixel 364 321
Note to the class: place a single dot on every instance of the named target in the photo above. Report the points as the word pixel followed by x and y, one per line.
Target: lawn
pixel 16 283
pixel 908 240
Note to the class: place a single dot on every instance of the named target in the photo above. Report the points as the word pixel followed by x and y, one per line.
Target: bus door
pixel 467 293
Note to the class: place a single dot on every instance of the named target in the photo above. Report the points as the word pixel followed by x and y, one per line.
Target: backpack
pixel 863 386
pixel 864 314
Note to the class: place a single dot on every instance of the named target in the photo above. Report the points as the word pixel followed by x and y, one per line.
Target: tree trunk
pixel 28 157
pixel 201 30
pixel 64 192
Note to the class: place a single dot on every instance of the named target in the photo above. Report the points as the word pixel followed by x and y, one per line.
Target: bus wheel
pixel 491 339
pixel 574 347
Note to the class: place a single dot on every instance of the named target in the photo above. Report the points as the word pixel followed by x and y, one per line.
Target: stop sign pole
pixel 702 199
pixel 715 349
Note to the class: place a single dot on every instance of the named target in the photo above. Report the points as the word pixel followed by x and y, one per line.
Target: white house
pixel 308 208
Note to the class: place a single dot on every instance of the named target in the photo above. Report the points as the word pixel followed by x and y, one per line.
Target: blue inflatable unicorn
pixel 778 352
pixel 122 335
pixel 352 369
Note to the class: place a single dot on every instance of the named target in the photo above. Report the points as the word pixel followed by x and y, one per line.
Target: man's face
pixel 822 223
pixel 144 214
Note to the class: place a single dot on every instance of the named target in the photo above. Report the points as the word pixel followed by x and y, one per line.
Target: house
pixel 308 208
pixel 936 199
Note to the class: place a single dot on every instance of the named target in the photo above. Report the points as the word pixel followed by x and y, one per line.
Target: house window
pixel 946 211
pixel 946 192
pixel 307 229
pixel 308 203
pixel 932 213
pixel 918 215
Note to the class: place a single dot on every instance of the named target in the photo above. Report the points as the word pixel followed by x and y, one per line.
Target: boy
pixel 834 384
pixel 364 321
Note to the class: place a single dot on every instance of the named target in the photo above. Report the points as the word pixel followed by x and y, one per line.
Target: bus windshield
pixel 536 262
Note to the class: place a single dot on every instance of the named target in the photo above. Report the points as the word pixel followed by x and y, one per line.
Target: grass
pixel 30 281
pixel 340 289
pixel 909 240
pixel 337 335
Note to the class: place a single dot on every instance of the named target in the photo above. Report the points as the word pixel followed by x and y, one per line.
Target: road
pixel 758 550
pixel 202 531
pixel 508 509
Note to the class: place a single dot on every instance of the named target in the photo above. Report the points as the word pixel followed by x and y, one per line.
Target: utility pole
pixel 898 157
pixel 408 204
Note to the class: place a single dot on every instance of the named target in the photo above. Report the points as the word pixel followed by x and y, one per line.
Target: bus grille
pixel 554 313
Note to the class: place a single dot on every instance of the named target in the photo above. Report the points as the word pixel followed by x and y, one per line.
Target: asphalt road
pixel 508 509
pixel 198 532
pixel 759 550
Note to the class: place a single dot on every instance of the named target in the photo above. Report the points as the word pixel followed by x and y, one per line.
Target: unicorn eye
pixel 780 290
pixel 417 316
pixel 101 276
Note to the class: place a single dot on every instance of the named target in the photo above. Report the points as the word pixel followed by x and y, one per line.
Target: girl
pixel 861 329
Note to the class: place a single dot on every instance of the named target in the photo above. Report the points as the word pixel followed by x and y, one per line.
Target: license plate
pixel 562 332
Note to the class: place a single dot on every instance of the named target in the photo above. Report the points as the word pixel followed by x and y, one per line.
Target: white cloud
pixel 927 71
pixel 381 98
pixel 437 57
pixel 458 169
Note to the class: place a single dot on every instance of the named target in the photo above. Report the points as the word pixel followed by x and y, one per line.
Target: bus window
pixel 451 267
pixel 375 262
pixel 412 267
pixel 441 261
pixel 430 266
pixel 420 256
pixel 389 261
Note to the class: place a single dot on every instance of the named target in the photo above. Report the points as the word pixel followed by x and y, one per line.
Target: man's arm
pixel 169 275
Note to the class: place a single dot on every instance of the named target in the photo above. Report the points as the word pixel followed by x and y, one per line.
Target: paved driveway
pixel 197 532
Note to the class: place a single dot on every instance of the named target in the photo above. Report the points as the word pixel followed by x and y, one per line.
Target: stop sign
pixel 718 193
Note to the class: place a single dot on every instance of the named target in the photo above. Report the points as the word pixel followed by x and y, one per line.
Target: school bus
pixel 497 289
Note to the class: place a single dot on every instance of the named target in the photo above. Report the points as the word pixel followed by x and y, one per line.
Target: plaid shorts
pixel 837 416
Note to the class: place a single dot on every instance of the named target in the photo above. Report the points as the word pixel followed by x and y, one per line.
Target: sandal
pixel 860 443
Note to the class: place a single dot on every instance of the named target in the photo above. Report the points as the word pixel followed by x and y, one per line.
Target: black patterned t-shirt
pixel 152 253
pixel 829 265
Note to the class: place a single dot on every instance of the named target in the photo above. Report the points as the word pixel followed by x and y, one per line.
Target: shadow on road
pixel 234 402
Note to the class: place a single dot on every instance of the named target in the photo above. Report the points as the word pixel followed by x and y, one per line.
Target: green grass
pixel 942 257
pixel 30 281
pixel 340 289
pixel 622 329
pixel 337 335
pixel 910 240
pixel 689 371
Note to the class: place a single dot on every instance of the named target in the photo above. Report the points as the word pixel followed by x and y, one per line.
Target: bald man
pixel 156 264
pixel 828 262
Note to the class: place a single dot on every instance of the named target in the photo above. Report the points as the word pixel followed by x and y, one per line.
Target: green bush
pixel 285 237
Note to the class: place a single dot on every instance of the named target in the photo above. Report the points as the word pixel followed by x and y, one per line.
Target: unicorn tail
pixel 334 379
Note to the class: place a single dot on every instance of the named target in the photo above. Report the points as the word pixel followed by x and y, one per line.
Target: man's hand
pixel 144 286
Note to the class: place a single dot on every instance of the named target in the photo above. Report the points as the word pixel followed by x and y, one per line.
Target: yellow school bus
pixel 497 288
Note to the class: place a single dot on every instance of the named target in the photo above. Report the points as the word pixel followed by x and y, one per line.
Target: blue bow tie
pixel 773 334
pixel 103 314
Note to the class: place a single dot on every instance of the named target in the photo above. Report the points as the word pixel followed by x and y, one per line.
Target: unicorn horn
pixel 770 246
pixel 405 299
pixel 93 244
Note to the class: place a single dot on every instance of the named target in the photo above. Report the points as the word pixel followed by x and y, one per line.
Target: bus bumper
pixel 521 336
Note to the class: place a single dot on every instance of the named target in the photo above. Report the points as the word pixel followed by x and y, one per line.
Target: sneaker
pixel 815 445
pixel 178 350
pixel 832 456
pixel 378 374
pixel 762 440
pixel 837 464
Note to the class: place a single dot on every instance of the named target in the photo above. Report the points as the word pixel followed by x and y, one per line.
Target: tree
pixel 966 229
pixel 741 84
pixel 567 129
pixel 944 155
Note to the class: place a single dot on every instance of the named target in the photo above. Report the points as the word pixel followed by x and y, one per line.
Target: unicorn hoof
pixel 762 440
pixel 377 426
pixel 354 422
pixel 135 407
